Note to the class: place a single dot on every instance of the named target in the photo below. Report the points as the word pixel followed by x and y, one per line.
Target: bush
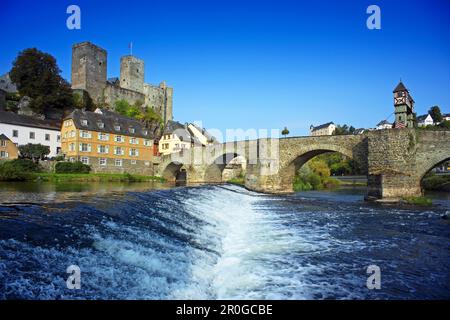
pixel 436 182
pixel 10 172
pixel 72 167
pixel 25 165
pixel 418 201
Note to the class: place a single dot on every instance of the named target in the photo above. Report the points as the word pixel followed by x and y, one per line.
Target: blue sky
pixel 256 64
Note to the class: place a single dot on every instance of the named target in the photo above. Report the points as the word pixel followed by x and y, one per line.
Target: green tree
pixel 435 113
pixel 34 152
pixel 133 112
pixel 82 100
pixel 150 116
pixel 121 107
pixel 285 132
pixel 37 76
pixel 445 124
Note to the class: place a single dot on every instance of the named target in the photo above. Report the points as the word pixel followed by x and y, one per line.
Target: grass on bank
pixel 92 177
pixel 27 170
pixel 418 201
pixel 239 180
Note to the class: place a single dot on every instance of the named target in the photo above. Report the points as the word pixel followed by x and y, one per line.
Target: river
pixel 148 241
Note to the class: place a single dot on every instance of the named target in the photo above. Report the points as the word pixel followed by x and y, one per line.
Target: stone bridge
pixel 394 160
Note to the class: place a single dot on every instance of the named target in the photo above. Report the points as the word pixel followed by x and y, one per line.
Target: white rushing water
pixel 217 242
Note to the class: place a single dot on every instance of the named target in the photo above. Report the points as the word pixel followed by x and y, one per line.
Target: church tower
pixel 404 107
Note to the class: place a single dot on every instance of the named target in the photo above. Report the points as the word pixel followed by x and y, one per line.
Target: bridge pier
pixel 392 187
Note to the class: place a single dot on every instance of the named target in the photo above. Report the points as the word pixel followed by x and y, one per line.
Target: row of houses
pixel 105 140
pixel 329 127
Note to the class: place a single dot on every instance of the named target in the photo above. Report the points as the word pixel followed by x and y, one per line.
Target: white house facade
pixel 326 129
pixel 425 120
pixel 382 125
pixel 22 130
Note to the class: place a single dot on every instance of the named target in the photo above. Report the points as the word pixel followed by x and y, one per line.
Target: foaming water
pixel 222 242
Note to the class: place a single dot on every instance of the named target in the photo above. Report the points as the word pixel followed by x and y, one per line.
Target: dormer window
pixel 117 127
pixel 101 125
pixel 145 132
pixel 132 130
pixel 84 122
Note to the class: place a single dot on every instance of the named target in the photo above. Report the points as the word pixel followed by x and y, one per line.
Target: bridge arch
pixel 214 170
pixel 293 161
pixel 173 171
pixel 427 166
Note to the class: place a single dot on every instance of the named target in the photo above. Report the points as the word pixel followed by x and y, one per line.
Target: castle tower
pixel 168 105
pixel 132 73
pixel 404 107
pixel 89 69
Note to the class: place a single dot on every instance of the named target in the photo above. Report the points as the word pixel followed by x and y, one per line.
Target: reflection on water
pixel 46 192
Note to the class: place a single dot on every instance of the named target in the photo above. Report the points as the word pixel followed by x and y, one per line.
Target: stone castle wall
pixel 89 73
pixel 89 65
pixel 113 93
pixel 132 73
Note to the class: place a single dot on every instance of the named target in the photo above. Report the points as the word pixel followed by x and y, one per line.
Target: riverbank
pixel 92 177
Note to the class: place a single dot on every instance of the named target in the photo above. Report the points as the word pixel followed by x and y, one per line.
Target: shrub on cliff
pixel 72 167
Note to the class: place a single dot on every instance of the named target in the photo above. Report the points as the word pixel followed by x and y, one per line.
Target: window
pixel 103 149
pixel 103 136
pixel 147 143
pixel 3 154
pixel 72 159
pixel 85 147
pixel 32 135
pixel 84 122
pixel 47 137
pixel 166 146
pixel 85 160
pixel 101 125
pixel 145 132
pixel 72 147
pixel 3 143
pixel 72 134
pixel 119 151
pixel 15 133
pixel 134 153
pixel 58 138
pixel 134 141
pixel 133 161
pixel 132 130
pixel 102 161
pixel 85 134
pixel 117 127
pixel 118 162
pixel 68 123
pixel 119 139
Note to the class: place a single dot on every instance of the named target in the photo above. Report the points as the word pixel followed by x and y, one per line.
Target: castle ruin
pixel 89 73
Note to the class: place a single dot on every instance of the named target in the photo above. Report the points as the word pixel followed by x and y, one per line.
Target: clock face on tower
pixel 399 100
